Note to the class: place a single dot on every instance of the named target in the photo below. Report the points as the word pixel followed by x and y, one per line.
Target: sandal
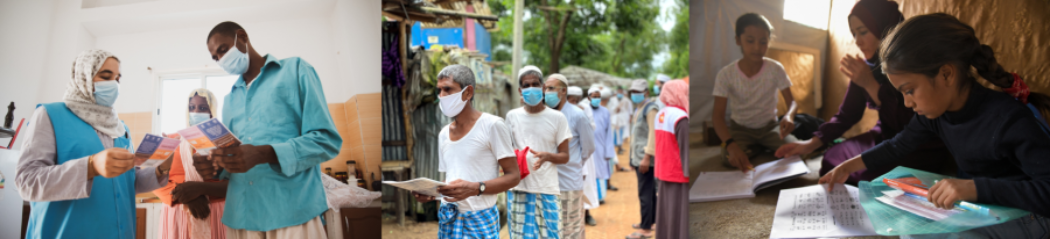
pixel 636 235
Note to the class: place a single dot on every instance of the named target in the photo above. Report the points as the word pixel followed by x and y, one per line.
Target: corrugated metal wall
pixel 393 124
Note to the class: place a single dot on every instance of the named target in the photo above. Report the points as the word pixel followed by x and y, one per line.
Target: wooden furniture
pixel 361 223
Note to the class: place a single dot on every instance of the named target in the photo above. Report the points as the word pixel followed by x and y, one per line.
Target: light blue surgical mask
pixel 551 98
pixel 532 95
pixel 656 89
pixel 637 98
pixel 106 92
pixel 234 61
pixel 197 118
pixel 595 102
pixel 619 95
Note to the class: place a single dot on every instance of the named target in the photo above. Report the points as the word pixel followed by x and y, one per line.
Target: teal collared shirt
pixel 285 108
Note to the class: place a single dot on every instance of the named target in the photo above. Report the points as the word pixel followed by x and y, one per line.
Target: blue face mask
pixel 619 95
pixel 656 89
pixel 106 92
pixel 551 98
pixel 197 118
pixel 637 98
pixel 595 102
pixel 234 61
pixel 532 95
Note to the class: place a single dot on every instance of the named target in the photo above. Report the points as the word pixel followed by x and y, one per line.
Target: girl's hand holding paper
pixel 945 193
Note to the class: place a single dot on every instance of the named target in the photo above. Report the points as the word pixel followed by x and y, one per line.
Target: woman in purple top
pixel 869 22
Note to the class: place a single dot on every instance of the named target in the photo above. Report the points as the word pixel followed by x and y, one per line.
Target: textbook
pixel 423 186
pixel 209 135
pixel 717 186
pixel 153 150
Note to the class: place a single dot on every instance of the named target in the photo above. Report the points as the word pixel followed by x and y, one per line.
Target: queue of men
pixel 568 141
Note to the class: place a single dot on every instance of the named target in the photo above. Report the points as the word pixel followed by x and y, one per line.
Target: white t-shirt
pixel 753 100
pixel 542 132
pixel 475 157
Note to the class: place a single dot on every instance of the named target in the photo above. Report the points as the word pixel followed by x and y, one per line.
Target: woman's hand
pixel 198 207
pixel 858 71
pixel 800 148
pixel 188 191
pixel 946 192
pixel 110 163
pixel 738 158
pixel 842 172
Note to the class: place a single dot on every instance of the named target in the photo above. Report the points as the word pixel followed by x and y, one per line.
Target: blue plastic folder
pixel 889 220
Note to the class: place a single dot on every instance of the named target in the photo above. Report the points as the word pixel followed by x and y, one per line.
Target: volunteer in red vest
pixel 672 166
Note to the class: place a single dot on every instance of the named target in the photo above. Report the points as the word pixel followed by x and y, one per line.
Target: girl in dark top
pixel 1001 139
pixel 869 21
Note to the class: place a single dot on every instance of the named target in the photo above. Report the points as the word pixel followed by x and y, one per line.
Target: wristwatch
pixel 481 188
pixel 727 142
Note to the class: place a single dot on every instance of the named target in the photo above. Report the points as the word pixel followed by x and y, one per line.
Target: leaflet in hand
pixel 423 186
pixel 716 186
pixel 153 150
pixel 209 135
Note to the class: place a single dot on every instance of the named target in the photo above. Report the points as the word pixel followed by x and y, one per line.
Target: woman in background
pixel 193 204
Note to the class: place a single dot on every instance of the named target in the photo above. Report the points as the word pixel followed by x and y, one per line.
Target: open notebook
pixel 717 186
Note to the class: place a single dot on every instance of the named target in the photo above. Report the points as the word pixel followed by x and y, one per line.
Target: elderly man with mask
pixel 471 151
pixel 534 203
pixel 77 170
pixel 643 147
pixel 570 175
pixel 590 186
pixel 614 161
pixel 603 141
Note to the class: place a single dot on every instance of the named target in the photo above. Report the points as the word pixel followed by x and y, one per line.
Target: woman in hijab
pixel 193 204
pixel 869 21
pixel 672 165
pixel 77 168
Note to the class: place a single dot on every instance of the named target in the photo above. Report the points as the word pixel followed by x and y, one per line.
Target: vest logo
pixel 661 119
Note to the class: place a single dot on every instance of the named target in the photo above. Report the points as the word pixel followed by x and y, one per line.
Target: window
pixel 813 13
pixel 174 93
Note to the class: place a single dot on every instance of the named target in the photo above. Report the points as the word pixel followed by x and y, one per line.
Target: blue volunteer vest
pixel 109 211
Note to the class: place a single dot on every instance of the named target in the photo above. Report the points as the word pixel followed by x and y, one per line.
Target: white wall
pixel 39 40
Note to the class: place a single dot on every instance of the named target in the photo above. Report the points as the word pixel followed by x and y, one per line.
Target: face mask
pixel 637 98
pixel 532 95
pixel 234 62
pixel 595 102
pixel 656 89
pixel 619 95
pixel 197 118
pixel 452 104
pixel 551 98
pixel 106 92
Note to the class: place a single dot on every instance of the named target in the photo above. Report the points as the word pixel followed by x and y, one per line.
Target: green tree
pixel 678 43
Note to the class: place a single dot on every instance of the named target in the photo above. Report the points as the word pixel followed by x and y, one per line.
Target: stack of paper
pixel 423 186
pixel 810 212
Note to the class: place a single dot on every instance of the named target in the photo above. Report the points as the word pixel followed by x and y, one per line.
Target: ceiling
pixel 117 17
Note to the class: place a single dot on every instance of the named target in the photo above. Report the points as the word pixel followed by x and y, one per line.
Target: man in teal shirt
pixel 278 111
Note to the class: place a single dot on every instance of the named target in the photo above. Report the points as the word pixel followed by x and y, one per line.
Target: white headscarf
pixel 80 94
pixel 208 96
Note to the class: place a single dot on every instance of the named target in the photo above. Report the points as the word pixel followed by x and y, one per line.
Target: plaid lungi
pixel 533 215
pixel 480 224
pixel 572 214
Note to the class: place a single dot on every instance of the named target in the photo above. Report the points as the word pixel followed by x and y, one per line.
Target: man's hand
pixel 241 158
pixel 458 190
pixel 646 162
pixel 541 157
pixel 205 166
pixel 423 198
pixel 198 207
pixel 110 163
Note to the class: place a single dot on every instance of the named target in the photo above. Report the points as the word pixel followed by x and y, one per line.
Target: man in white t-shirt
pixel 471 151
pixel 534 204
